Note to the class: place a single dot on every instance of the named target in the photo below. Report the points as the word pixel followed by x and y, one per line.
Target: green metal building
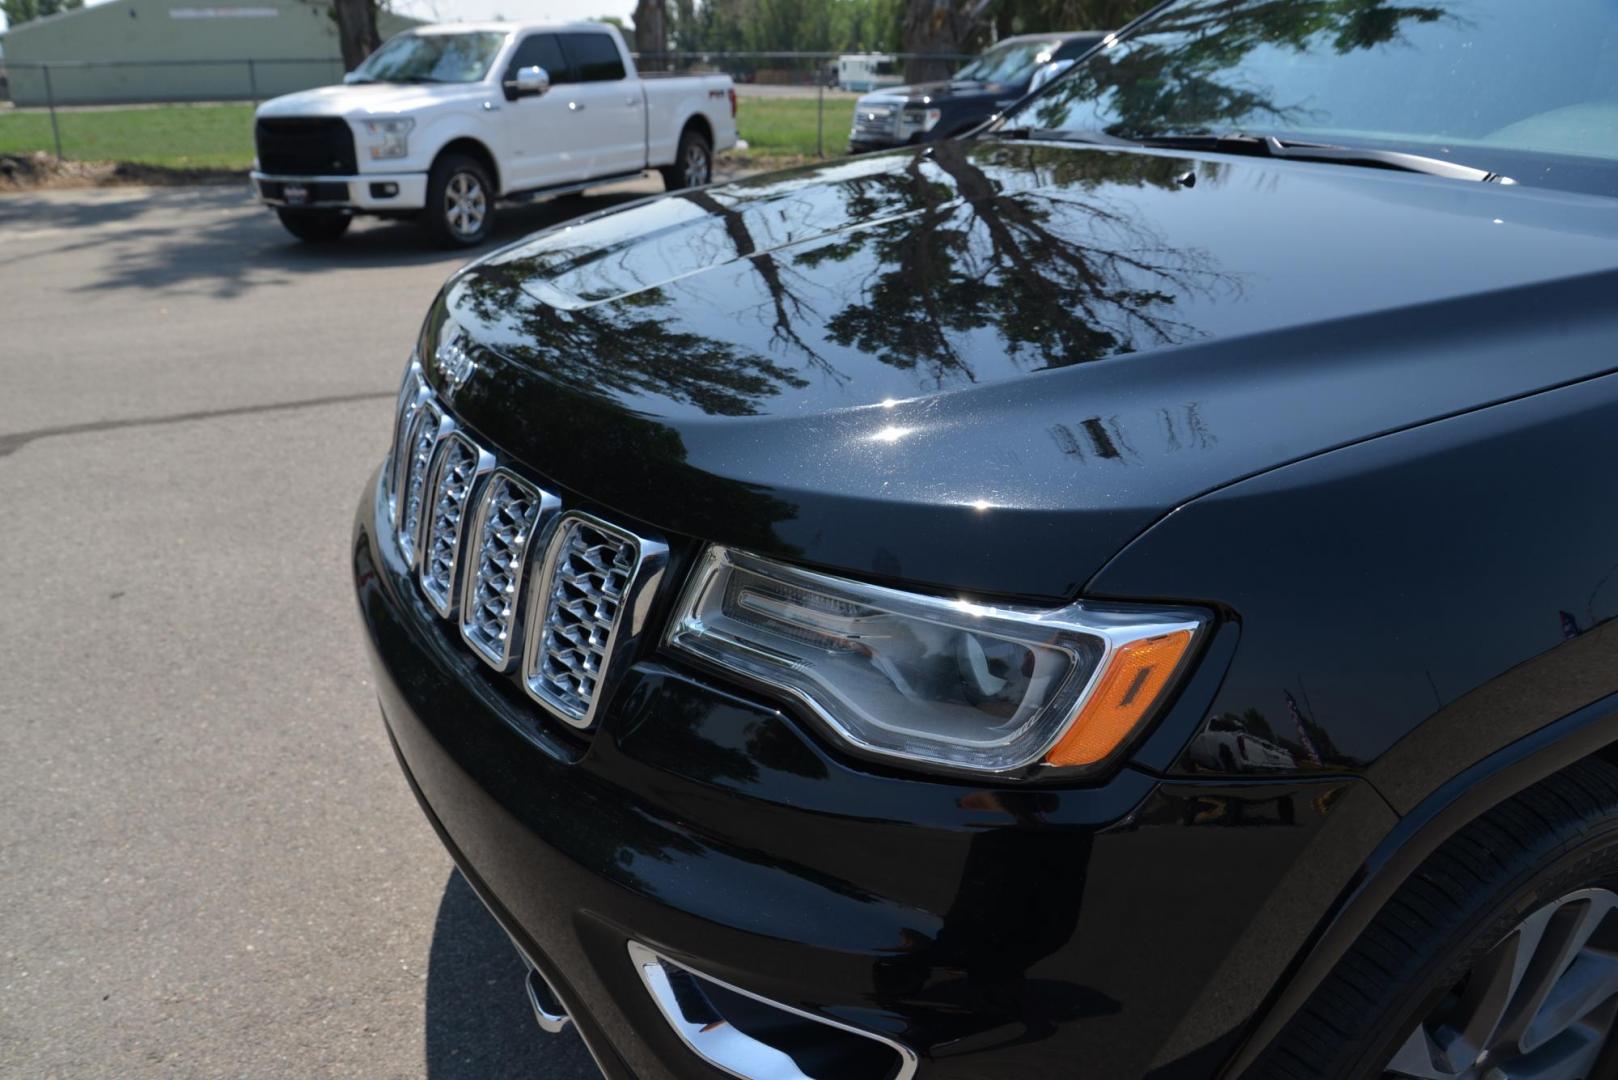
pixel 177 50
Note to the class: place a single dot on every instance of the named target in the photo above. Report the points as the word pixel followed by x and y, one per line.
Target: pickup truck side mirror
pixel 530 82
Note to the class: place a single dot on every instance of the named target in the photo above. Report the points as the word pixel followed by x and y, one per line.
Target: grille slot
pixel 411 396
pixel 467 529
pixel 424 435
pixel 592 574
pixel 509 514
pixel 460 465
pixel 305 146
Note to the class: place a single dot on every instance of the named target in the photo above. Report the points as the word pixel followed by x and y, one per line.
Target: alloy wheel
pixel 697 166
pixel 1540 1005
pixel 465 204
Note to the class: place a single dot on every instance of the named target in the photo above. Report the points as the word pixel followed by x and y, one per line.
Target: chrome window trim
pixel 726 1047
pixel 408 533
pixel 544 520
pixel 484 464
pixel 650 560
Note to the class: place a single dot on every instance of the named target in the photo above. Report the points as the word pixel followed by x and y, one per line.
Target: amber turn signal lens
pixel 1134 680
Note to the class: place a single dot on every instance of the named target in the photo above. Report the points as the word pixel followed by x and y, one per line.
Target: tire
pixel 1528 878
pixel 460 201
pixel 693 162
pixel 315 226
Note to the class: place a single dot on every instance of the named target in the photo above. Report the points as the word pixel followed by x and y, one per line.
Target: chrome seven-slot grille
pixel 876 121
pixel 478 535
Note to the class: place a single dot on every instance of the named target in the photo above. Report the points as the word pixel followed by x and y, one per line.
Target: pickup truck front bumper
pixel 370 193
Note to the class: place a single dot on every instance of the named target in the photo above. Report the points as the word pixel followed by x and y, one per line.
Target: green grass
pixel 221 136
pixel 786 126
pixel 172 136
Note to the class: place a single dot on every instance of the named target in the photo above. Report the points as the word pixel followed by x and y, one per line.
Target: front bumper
pixel 992 931
pixel 366 193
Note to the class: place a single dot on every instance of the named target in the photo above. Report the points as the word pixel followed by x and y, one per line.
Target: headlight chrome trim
pixel 1114 626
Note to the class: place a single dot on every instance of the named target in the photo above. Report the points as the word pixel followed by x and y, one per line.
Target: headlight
pixel 936 681
pixel 389 138
pixel 922 119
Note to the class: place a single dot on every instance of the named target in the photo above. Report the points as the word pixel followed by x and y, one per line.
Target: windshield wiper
pixel 1239 142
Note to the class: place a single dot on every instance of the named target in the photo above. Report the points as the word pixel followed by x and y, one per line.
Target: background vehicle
pixel 895 531
pixel 907 114
pixel 860 72
pixel 444 121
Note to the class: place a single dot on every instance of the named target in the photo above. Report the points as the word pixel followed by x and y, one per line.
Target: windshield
pixel 446 58
pixel 1012 63
pixel 1527 90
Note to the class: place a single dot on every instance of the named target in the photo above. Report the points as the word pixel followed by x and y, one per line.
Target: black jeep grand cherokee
pixel 1130 594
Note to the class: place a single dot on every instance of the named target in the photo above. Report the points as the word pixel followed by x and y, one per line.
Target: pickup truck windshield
pixel 1009 63
pixel 431 58
pixel 1520 89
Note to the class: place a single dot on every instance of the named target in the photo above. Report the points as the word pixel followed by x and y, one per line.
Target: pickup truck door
pixel 542 140
pixel 606 102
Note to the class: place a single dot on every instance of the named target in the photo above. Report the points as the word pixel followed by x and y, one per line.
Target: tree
pixel 356 30
pixel 1030 16
pixel 21 11
pixel 940 27
pixel 652 31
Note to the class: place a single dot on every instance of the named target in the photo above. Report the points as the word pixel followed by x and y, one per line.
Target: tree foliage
pixel 950 27
pixel 785 25
pixel 21 11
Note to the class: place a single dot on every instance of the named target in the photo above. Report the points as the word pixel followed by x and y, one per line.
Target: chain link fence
pixel 63 88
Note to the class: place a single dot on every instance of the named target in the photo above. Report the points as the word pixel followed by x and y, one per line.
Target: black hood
pixel 988 365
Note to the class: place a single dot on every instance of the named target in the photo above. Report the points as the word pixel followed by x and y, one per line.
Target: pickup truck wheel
pixel 460 201
pixel 693 162
pixel 1494 961
pixel 315 226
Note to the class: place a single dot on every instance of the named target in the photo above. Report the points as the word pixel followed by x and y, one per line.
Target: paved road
pixel 209 863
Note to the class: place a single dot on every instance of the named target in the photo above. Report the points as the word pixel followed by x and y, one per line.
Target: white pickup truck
pixel 443 121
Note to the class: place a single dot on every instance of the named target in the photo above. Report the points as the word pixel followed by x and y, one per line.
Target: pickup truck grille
pixel 305 146
pixel 873 122
pixel 480 539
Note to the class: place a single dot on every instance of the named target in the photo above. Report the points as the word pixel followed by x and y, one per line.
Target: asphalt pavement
pixel 209 862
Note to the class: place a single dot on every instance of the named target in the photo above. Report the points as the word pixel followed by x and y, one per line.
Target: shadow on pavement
pixel 216 240
pixel 478 1021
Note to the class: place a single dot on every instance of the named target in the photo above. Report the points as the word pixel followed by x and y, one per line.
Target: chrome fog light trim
pixel 726 1047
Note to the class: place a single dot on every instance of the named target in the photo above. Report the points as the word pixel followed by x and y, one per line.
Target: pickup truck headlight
pixel 389 138
pixel 922 119
pixel 933 681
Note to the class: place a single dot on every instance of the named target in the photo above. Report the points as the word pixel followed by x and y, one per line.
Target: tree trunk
pixel 356 30
pixel 939 26
pixel 652 33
